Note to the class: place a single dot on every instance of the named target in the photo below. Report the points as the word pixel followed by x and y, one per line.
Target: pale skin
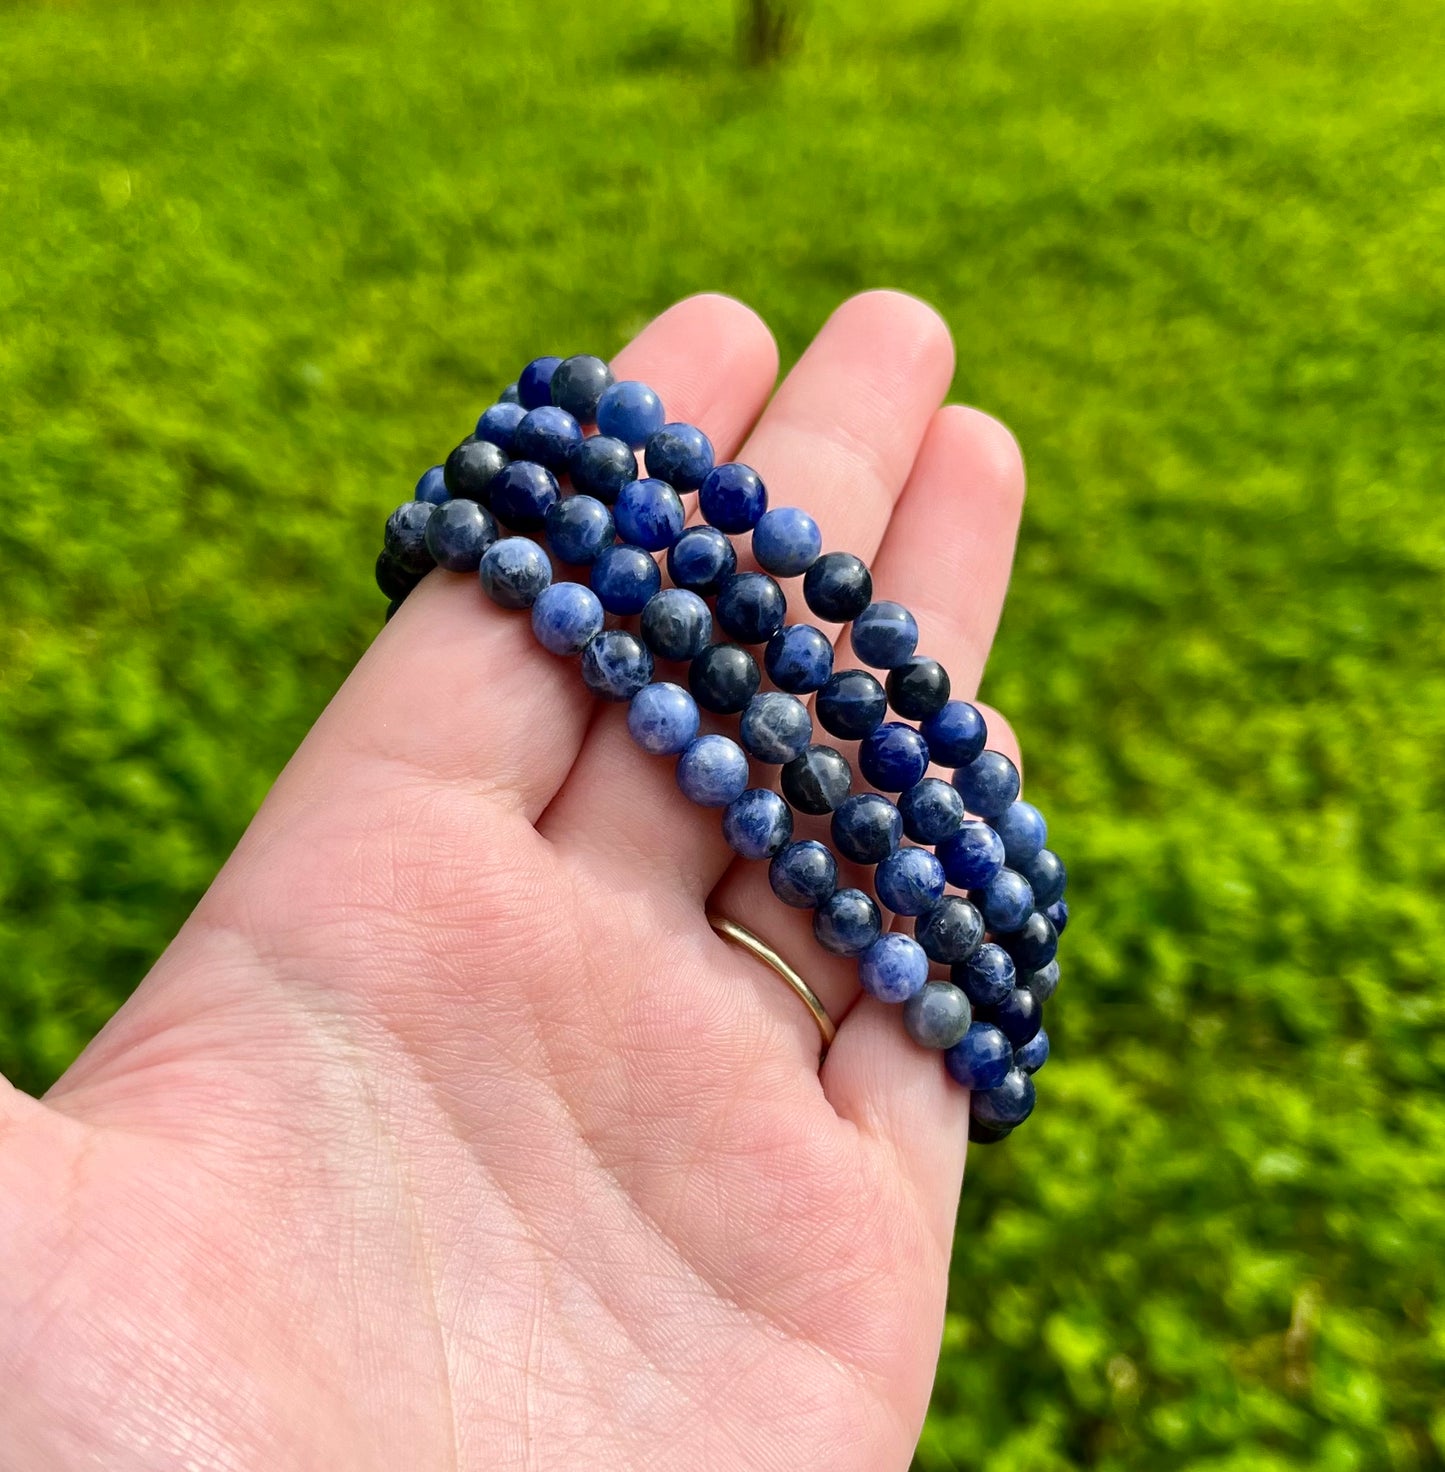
pixel 446 1134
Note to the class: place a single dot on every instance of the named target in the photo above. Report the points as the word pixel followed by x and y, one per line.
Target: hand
pixel 446 1134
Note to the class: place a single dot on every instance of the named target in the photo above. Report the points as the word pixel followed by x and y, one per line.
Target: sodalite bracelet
pixel 531 470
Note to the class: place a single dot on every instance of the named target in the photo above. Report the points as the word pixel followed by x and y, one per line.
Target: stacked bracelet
pixel 530 472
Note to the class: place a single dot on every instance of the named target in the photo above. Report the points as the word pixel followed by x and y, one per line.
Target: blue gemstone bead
pixel 1008 1103
pixel 918 688
pixel 405 535
pixel 1034 944
pixel 817 781
pixel 786 541
pixel 972 856
pixel 988 784
pixel 884 634
pixel 630 412
pixel 578 383
pixel 1058 914
pixel 549 436
pixel 893 968
pixel 1023 830
pixel 579 528
pixel 1034 1053
pixel 616 665
pixel 624 578
pixel 798 658
pixel 514 571
pixel 701 559
pixel 893 757
pixel 951 931
pixel 432 486
pixel 723 678
pixel 733 497
pixel 987 976
pixel 662 718
pixel 838 587
pixel 1006 901
pixel 602 467
pixel 981 1059
pixel 521 494
pixel 393 579
pixel 847 922
pixel 471 468
pixel 509 395
pixel 803 874
pixel 932 811
pixel 751 607
pixel 676 624
pixel 498 425
pixel 955 734
pixel 458 534
pixel 1044 982
pixel 867 828
pixel 938 1016
pixel 1018 1015
pixel 757 824
pixel 649 514
pixel 1047 876
pixel 566 617
pixel 775 727
pixel 851 704
pixel 909 881
pixel 712 771
pixel 534 382
pixel 680 454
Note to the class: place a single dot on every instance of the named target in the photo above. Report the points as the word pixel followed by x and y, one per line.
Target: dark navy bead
pixel 893 757
pixel 616 665
pixel 972 856
pixel 712 771
pixel 649 514
pixel 662 718
pixel 955 734
pixel 548 435
pixel 918 689
pixel 851 704
pixel 951 931
pixel 817 781
pixel 432 486
pixel 701 559
pixel 884 634
pixel 724 677
pixel 1058 914
pixel 1007 1103
pixel 514 571
pixel 932 811
pixel 601 467
pixel 786 541
pixel 1006 901
pixel 989 783
pixel 804 874
pixel 624 578
pixel 630 412
pixel 1023 830
pixel 867 828
pixel 1034 1053
pixel 534 382
pixel 909 881
pixel 838 587
pixel 987 976
pixel 1018 1015
pixel 1046 876
pixel 676 624
pixel 498 425
pixel 471 468
pixel 798 658
pixel 757 824
pixel 509 395
pixel 458 533
pixel 938 1016
pixel 1044 982
pixel 847 922
pixel 405 537
pixel 751 607
pixel 733 497
pixel 1034 944
pixel 392 578
pixel 775 727
pixel 521 494
pixel 987 1134
pixel 680 454
pixel 981 1059
pixel 893 968
pixel 577 384
pixel 566 618
pixel 579 529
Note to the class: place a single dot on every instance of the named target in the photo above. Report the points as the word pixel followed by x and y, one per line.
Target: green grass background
pixel 261 263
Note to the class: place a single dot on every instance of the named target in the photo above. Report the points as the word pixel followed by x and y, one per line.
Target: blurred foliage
pixel 262 262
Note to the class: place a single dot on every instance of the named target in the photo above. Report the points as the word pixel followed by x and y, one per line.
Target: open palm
pixel 447 1134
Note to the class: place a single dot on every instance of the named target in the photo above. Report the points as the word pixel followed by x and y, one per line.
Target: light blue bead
pixel 893 968
pixel 1023 830
pixel 680 454
pixel 1006 901
pixel 786 541
pixel 565 618
pixel 988 784
pixel 514 571
pixel 432 486
pixel 757 823
pixel 909 881
pixel 712 771
pixel 649 514
pixel 578 529
pixel 662 718
pixel 629 411
pixel 799 658
pixel 884 634
pixel 776 727
pixel 804 874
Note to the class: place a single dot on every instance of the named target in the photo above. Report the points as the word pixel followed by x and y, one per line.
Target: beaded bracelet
pixel 531 469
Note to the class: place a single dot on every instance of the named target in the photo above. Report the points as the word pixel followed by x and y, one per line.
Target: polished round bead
pixel 981 1058
pixel 937 1016
pixel 1058 914
pixel 579 529
pixel 1047 876
pixel 1034 944
pixel 1034 1053
pixel 701 559
pixel 548 436
pixel 1044 982
pixel 798 658
pixel 884 635
pixel 509 395
pixel 649 514
pixel 775 727
pixel 838 587
pixel 851 704
pixel 867 828
pixel 987 976
pixel 1018 1015
pixel 630 412
pixel 514 571
pixel 578 383
pixel 988 784
pixel 804 874
pixel 680 454
pixel 676 624
pixel 712 771
pixel 893 968
pixel 733 497
pixel 498 425
pixel 616 665
pixel 893 757
pixel 847 922
pixel 602 466
pixel 432 486
pixel 624 578
pixel 662 718
pixel 392 578
pixel 471 468
pixel 918 689
pixel 972 856
pixel 521 494
pixel 909 881
pixel 955 734
pixel 723 678
pixel 1006 901
pixel 757 824
pixel 405 536
pixel 1023 830
pixel 786 541
pixel 566 617
pixel 750 606
pixel 932 810
pixel 458 533
pixel 817 781
pixel 951 931
pixel 980 1133
pixel 534 382
pixel 1007 1103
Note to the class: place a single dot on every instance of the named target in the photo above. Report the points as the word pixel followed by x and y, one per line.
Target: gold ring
pixel 769 957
